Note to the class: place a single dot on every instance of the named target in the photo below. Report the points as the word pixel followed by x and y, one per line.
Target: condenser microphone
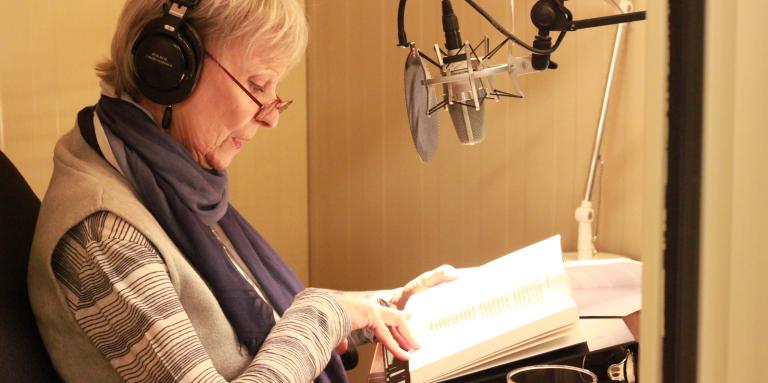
pixel 465 78
pixel 465 98
pixel 466 108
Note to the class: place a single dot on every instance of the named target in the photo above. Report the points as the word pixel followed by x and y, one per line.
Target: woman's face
pixel 219 118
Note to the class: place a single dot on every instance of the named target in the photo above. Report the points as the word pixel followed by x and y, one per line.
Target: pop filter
pixel 419 99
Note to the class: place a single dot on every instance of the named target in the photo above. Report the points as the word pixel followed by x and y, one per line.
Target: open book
pixel 509 309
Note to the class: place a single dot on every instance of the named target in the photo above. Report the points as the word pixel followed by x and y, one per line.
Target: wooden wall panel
pixel 378 215
pixel 268 179
pixel 46 76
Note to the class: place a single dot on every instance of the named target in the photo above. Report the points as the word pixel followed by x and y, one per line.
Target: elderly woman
pixel 141 270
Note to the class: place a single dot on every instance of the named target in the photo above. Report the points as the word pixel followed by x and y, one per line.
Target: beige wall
pixel 378 215
pixel 734 206
pixel 654 184
pixel 48 51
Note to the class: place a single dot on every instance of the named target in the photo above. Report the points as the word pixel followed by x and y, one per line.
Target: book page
pixel 528 294
pixel 509 291
pixel 430 364
pixel 564 337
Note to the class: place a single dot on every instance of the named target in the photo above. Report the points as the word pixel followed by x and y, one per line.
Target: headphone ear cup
pixel 167 60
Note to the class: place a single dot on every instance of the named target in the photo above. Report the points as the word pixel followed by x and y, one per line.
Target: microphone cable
pixel 403 40
pixel 514 38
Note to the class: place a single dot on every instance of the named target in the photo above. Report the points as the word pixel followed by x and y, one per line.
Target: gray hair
pixel 278 25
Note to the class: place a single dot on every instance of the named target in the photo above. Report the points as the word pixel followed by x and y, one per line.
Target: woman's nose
pixel 268 117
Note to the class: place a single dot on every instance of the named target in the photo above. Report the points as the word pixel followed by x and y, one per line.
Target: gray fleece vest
pixel 82 184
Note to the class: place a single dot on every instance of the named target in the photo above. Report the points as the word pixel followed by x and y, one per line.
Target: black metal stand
pixel 552 15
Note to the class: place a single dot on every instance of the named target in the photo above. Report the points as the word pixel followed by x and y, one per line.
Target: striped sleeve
pixel 119 291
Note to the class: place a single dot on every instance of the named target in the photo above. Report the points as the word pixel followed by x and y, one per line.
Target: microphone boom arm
pixel 606 20
pixel 554 18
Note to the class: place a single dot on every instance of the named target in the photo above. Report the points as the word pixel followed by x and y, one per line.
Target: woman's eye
pixel 256 88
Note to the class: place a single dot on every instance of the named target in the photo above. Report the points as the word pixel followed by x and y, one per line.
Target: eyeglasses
pixel 264 109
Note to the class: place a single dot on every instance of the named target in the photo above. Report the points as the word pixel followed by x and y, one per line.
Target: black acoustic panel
pixel 683 194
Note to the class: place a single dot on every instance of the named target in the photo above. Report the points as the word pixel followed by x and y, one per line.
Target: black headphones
pixel 168 56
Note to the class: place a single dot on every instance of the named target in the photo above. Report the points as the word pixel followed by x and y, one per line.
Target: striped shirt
pixel 118 289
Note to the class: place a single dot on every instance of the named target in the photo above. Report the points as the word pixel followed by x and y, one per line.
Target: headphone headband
pixel 187 3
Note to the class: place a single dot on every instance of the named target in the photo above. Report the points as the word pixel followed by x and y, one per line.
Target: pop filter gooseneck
pixel 402 41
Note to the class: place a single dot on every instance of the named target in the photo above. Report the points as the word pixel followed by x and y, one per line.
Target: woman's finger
pixel 441 274
pixel 444 273
pixel 405 330
pixel 342 347
pixel 385 337
pixel 399 338
pixel 396 320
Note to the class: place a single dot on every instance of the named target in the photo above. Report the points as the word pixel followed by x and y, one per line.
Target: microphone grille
pixel 468 122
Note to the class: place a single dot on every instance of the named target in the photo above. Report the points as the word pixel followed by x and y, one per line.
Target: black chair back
pixel 22 355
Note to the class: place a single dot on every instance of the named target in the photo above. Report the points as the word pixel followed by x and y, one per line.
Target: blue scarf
pixel 186 200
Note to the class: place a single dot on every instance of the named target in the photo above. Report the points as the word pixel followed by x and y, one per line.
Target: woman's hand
pixel 442 274
pixel 387 324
